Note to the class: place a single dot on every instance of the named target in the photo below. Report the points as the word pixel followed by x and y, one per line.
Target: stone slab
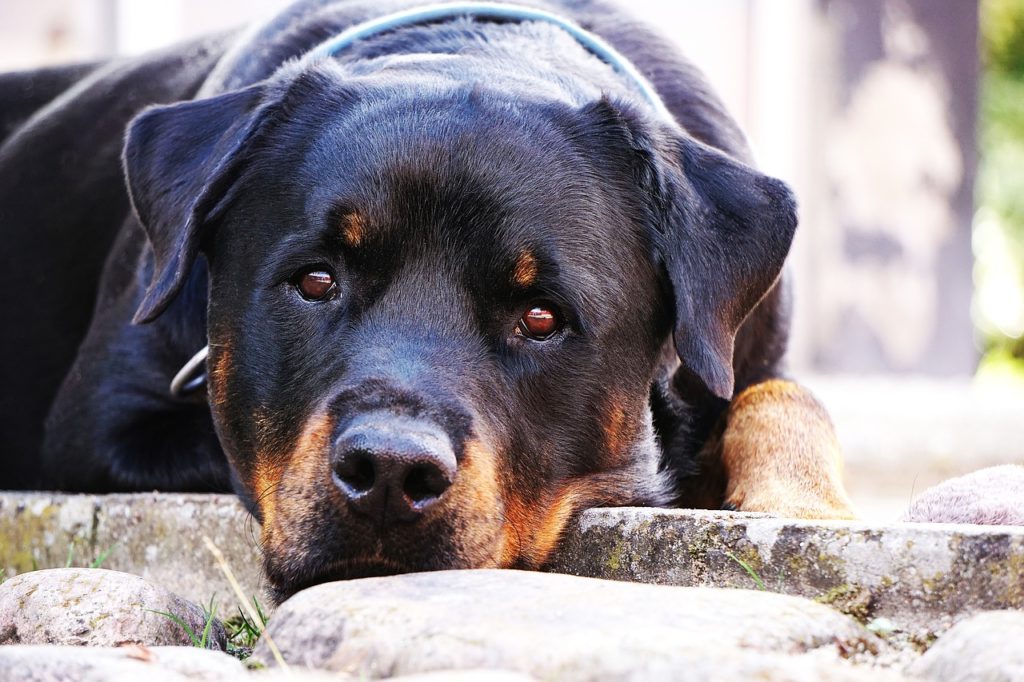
pixel 921 576
pixel 155 536
pixel 560 627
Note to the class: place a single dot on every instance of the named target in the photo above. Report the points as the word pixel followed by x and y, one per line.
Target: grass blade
pixel 98 561
pixel 750 571
pixel 181 623
pixel 226 570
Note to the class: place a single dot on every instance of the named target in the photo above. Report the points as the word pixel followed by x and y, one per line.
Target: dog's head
pixel 435 313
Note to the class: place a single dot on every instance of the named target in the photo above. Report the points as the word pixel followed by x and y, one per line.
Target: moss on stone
pixel 614 561
pixel 853 600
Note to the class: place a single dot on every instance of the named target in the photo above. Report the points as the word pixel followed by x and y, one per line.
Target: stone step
pixel 922 577
pixel 155 535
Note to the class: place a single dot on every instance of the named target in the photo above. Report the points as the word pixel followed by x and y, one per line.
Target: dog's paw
pixel 781 455
pixel 794 504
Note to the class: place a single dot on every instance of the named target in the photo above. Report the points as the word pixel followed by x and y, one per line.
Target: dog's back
pixel 62 202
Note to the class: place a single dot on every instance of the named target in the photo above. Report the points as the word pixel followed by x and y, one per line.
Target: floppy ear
pixel 725 233
pixel 179 162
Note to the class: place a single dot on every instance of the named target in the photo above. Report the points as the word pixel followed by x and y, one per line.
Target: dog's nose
pixel 392 467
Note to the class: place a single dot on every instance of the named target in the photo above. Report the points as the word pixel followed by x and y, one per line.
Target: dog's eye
pixel 316 284
pixel 539 323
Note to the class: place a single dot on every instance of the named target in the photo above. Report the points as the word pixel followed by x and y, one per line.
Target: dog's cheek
pixel 473 510
pixel 295 503
pixel 535 521
pixel 534 529
pixel 619 428
pixel 221 370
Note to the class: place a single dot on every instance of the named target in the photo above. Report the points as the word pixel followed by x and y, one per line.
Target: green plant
pixel 96 563
pixel 999 221
pixel 209 615
pixel 243 632
pixel 750 571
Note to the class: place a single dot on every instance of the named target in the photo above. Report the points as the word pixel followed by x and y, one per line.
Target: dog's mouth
pixel 286 584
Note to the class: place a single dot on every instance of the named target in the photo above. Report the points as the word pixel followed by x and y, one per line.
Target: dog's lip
pixel 349 568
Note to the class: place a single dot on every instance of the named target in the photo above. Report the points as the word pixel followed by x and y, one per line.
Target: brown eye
pixel 316 285
pixel 538 323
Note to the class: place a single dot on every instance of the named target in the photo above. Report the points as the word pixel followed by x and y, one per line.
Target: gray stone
pixel 920 576
pixel 466 676
pixel 989 646
pixel 157 536
pixel 992 496
pixel 562 627
pixel 160 537
pixel 50 663
pixel 296 674
pixel 96 607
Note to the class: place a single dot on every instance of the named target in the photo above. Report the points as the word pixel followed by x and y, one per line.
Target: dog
pixel 463 271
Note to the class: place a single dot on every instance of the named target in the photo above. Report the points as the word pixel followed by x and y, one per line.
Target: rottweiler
pixel 463 270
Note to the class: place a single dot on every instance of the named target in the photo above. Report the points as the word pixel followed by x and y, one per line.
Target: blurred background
pixel 900 124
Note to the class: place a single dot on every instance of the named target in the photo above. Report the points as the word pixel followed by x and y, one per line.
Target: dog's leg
pixel 780 454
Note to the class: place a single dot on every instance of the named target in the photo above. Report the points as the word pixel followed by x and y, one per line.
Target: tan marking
pixel 534 530
pixel 474 500
pixel 353 229
pixel 548 532
pixel 517 523
pixel 220 364
pixel 307 463
pixel 781 455
pixel 264 485
pixel 524 273
pixel 616 427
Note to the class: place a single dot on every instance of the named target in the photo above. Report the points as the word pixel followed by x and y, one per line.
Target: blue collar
pixel 493 10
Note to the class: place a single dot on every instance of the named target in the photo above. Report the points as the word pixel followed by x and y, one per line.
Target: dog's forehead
pixel 454 162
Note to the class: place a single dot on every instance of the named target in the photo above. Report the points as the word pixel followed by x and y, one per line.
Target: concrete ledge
pixel 156 536
pixel 921 576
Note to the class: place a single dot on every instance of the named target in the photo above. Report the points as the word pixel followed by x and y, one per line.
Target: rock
pixel 50 663
pixel 562 627
pixel 992 496
pixel 988 646
pixel 919 576
pixel 96 607
pixel 307 675
pixel 465 676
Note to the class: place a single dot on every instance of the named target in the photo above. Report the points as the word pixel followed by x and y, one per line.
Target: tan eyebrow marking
pixel 353 229
pixel 525 271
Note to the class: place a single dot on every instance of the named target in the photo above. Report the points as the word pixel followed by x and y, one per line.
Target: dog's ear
pixel 721 231
pixel 180 161
pixel 725 230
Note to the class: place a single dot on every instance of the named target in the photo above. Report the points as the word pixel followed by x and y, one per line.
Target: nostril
pixel 356 471
pixel 425 482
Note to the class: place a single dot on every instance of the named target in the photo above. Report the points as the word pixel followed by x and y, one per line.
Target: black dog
pixel 461 278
